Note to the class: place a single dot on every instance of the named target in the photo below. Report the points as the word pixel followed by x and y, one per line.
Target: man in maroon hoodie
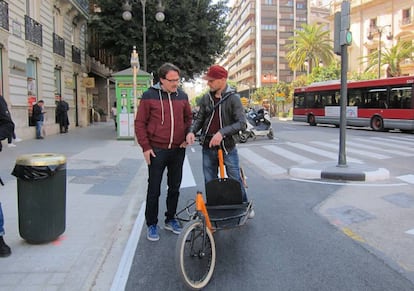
pixel 162 122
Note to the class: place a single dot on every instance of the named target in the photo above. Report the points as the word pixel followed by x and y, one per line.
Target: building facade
pixel 42 56
pixel 378 25
pixel 258 32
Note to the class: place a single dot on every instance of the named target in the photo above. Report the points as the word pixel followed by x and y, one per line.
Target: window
pixel 58 81
pixel 406 16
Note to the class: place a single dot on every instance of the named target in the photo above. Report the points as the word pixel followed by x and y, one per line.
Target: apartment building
pixel 378 25
pixel 42 56
pixel 258 32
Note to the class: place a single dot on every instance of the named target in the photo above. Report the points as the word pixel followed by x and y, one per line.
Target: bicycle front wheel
pixel 195 255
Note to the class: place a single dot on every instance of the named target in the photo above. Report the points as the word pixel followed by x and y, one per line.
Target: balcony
pixel 58 45
pixel 76 55
pixel 33 30
pixel 407 21
pixel 4 15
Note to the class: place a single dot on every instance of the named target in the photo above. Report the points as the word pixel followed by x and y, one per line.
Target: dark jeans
pixel 173 160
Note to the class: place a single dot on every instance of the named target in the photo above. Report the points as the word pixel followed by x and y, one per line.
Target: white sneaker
pixel 11 145
pixel 251 214
pixel 18 139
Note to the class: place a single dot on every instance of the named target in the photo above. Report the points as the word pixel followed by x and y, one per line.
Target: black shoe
pixel 40 137
pixel 5 250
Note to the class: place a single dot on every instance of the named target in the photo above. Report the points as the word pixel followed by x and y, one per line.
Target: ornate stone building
pixel 43 55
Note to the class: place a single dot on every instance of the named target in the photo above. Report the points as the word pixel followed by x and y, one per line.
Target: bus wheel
pixel 377 123
pixel 311 120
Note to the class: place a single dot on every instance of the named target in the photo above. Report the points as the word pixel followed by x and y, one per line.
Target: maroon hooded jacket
pixel 163 119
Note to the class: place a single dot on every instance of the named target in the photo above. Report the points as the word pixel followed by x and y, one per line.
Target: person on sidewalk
pixel 62 108
pixel 162 122
pixel 6 130
pixel 114 113
pixel 38 117
pixel 12 138
pixel 221 116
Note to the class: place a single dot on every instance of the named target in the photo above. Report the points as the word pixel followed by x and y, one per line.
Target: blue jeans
pixel 231 162
pixel 39 125
pixel 173 160
pixel 1 222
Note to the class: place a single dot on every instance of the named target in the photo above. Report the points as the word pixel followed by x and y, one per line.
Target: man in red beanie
pixel 220 118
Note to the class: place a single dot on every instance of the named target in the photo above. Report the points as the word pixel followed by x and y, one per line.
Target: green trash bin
pixel 41 195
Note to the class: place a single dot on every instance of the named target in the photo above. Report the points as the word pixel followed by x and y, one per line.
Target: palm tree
pixel 391 57
pixel 309 44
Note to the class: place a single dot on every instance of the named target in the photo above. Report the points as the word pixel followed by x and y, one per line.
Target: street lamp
pixel 379 30
pixel 127 16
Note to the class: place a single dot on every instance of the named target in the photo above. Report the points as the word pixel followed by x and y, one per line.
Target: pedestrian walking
pixel 38 118
pixel 220 117
pixel 62 108
pixel 162 122
pixel 114 113
pixel 6 130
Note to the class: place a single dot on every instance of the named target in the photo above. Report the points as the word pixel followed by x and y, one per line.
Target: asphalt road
pixel 289 245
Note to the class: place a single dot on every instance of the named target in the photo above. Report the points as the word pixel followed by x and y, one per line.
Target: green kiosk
pixel 124 90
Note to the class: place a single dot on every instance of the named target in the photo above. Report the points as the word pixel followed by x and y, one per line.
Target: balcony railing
pixel 4 15
pixel 58 45
pixel 33 30
pixel 76 55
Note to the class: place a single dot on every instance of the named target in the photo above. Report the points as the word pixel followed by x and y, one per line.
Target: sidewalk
pixel 105 179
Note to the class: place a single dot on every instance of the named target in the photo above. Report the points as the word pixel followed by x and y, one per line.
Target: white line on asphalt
pixel 124 267
pixel 188 177
pixel 262 163
pixel 289 155
pixel 349 183
pixel 314 150
pixel 407 178
pixel 351 150
pixel 379 149
pixel 411 231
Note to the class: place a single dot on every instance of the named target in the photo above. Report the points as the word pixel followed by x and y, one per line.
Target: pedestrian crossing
pixel 275 158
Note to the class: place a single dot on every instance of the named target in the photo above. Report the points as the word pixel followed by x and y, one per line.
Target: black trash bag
pixel 36 172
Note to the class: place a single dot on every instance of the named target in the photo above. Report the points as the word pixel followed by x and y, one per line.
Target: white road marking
pixel 407 178
pixel 262 163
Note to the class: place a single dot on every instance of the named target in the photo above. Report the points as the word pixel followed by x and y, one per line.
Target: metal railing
pixel 76 55
pixel 33 30
pixel 4 15
pixel 58 45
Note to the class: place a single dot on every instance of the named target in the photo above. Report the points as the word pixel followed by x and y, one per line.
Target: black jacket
pixel 6 122
pixel 231 113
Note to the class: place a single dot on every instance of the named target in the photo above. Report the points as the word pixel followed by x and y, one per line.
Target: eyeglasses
pixel 173 81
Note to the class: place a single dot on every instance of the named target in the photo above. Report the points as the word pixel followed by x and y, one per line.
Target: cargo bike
pixel 195 253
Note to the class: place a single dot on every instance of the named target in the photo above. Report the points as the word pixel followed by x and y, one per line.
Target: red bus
pixel 380 104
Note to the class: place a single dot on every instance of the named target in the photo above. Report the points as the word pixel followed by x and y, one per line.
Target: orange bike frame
pixel 201 206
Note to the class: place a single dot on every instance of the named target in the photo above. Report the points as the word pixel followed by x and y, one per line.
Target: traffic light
pixel 342 35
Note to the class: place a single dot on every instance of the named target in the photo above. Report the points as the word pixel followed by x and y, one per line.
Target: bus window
pixel 401 97
pixel 299 101
pixel 354 98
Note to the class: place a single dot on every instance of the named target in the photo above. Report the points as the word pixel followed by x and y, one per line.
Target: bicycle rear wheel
pixel 195 255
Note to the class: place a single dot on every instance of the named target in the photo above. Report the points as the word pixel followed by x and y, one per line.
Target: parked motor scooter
pixel 258 124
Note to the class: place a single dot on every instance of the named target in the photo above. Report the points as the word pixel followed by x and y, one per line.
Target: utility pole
pixel 342 39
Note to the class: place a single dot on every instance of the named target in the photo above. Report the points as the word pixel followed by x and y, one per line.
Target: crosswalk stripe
pixel 323 153
pixel 351 150
pixel 264 164
pixel 403 142
pixel 380 149
pixel 389 143
pixel 288 154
